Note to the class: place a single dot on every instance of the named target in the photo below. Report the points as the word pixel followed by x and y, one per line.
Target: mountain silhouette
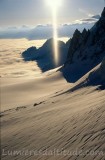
pixel 44 56
pixel 86 50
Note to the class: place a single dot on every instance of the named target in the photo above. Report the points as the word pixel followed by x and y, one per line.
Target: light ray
pixel 55 35
pixel 54 4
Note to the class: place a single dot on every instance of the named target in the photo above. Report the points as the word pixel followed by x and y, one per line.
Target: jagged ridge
pixel 88 44
pixel 86 51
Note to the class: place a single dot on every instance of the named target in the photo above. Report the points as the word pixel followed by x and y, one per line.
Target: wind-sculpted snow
pixel 95 78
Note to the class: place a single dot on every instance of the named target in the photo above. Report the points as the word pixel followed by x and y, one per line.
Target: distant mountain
pixel 44 56
pixel 86 50
pixel 30 54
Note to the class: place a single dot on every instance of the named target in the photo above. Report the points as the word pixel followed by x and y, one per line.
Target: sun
pixel 54 3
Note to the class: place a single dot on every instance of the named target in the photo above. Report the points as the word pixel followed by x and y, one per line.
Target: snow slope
pixel 60 124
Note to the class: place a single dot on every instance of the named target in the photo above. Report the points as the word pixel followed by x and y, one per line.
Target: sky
pixel 37 14
pixel 33 12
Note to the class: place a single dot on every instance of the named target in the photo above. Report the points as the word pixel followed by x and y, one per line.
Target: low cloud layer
pixel 46 31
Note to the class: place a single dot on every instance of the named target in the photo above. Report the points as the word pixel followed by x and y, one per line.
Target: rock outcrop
pixel 88 45
pixel 86 51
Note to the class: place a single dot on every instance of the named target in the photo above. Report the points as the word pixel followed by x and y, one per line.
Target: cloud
pixel 46 31
pixel 92 19
pixel 90 15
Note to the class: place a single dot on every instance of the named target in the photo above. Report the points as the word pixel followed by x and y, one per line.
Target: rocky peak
pixel 85 34
pixel 48 45
pixel 84 31
pixel 88 44
pixel 76 34
pixel 103 13
pixel 76 38
pixel 101 22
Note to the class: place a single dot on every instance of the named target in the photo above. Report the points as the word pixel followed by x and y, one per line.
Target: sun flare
pixel 54 4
